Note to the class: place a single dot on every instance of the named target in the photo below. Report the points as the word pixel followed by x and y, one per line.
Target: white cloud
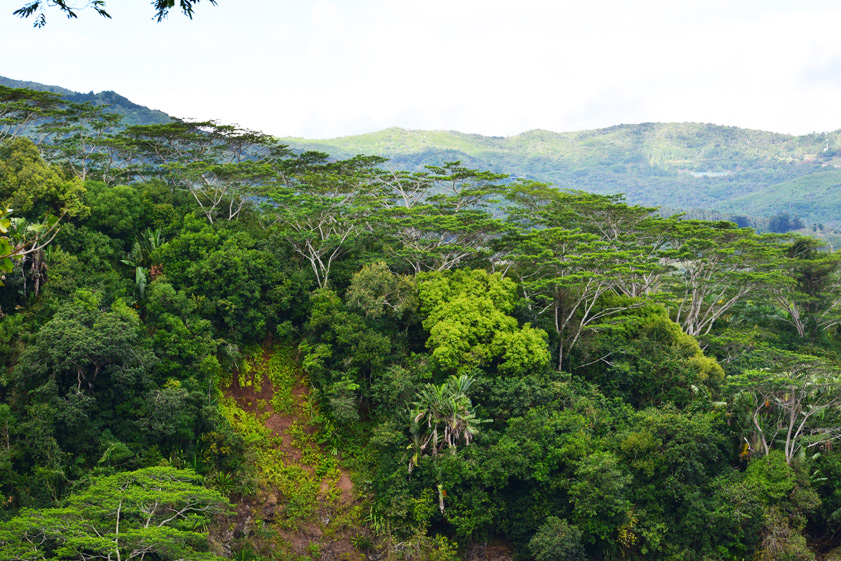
pixel 331 67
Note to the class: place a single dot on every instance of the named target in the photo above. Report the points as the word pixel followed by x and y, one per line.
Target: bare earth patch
pixel 305 497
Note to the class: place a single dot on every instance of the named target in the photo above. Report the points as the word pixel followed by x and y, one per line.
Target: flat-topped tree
pixel 222 166
pixel 152 513
pixel 82 141
pixel 566 273
pixel 621 226
pixel 795 405
pixel 321 206
pixel 79 136
pixel 439 218
pixel 808 291
pixel 574 249
pixel 22 109
pixel 716 266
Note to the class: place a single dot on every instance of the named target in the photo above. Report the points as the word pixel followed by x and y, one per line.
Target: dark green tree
pixel 557 540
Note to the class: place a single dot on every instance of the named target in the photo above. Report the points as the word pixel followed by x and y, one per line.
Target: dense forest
pixel 216 347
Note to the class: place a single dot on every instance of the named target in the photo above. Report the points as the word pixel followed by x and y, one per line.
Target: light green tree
pixel 467 313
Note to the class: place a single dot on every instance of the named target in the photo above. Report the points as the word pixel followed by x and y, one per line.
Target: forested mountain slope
pixel 679 166
pixel 213 347
pixel 675 165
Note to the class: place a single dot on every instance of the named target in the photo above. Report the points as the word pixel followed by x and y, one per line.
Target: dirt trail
pixel 305 497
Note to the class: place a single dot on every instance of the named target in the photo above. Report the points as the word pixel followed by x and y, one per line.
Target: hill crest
pixel 133 113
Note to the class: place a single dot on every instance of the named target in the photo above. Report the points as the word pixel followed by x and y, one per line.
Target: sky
pixel 329 68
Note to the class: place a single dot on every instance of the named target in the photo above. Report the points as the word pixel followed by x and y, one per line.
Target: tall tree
pixel 566 274
pixel 320 206
pixel 796 405
pixel 716 265
pixel 222 166
pixel 439 218
pixel 83 140
pixel 22 110
pixel 620 226
pixel 809 291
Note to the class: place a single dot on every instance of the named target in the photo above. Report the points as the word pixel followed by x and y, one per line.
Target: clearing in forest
pixel 303 507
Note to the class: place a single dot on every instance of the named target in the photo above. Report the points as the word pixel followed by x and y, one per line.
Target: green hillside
pixel 815 197
pixel 294 359
pixel 693 167
pixel 677 165
pixel 133 114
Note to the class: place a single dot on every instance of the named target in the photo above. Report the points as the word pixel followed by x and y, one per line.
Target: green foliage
pixel 322 205
pixel 378 292
pixel 673 458
pixel 159 512
pixel 645 358
pixel 341 347
pixel 181 338
pixel 542 444
pixel 771 476
pixel 781 540
pixel 116 211
pixel 237 286
pixel 32 187
pixel 557 540
pixel 467 315
pixel 599 496
pixel 150 333
pixel 86 365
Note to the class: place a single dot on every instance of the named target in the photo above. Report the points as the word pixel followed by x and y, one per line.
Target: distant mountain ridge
pixel 711 171
pixel 695 166
pixel 133 114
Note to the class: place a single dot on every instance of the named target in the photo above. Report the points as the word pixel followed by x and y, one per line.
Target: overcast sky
pixel 331 68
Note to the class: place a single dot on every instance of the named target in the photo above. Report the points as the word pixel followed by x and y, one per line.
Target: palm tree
pixel 140 257
pixel 442 415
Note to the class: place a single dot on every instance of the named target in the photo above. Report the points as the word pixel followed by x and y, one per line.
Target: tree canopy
pixel 356 361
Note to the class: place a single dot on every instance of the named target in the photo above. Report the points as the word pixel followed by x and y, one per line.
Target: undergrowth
pixel 294 469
